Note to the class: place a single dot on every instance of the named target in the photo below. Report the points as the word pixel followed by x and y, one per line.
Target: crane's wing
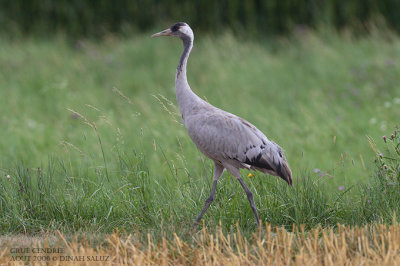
pixel 223 136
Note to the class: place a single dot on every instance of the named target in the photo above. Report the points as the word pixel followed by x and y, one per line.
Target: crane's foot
pixel 195 224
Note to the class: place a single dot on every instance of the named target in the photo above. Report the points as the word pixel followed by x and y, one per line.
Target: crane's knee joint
pixel 210 199
pixel 249 195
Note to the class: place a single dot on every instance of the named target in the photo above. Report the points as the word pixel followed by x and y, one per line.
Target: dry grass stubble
pixel 369 245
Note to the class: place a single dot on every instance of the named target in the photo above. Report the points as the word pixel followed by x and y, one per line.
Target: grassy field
pixel 370 245
pixel 92 139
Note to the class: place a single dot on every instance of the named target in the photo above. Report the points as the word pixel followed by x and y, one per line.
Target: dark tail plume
pixel 285 173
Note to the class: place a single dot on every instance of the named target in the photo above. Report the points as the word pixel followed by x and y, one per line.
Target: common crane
pixel 230 141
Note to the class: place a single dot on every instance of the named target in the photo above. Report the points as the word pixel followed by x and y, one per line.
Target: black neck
pixel 187 46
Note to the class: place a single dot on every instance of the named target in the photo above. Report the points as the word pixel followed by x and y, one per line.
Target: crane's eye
pixel 177 26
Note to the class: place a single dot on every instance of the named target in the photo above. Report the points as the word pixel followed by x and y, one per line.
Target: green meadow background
pixel 92 138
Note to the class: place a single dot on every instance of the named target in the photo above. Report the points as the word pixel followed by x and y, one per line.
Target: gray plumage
pixel 230 141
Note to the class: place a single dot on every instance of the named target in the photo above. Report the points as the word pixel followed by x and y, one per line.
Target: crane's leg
pixel 236 173
pixel 218 170
pixel 250 198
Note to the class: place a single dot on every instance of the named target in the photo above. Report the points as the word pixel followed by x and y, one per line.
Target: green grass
pixel 116 158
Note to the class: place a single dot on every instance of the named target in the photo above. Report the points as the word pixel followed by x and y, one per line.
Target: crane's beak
pixel 166 32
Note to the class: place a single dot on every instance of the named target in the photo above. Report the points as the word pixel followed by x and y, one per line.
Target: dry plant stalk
pixel 168 106
pixel 369 245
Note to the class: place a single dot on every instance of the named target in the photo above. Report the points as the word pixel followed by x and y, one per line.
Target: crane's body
pixel 230 141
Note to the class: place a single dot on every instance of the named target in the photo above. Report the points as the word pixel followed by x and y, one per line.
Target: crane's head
pixel 180 29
